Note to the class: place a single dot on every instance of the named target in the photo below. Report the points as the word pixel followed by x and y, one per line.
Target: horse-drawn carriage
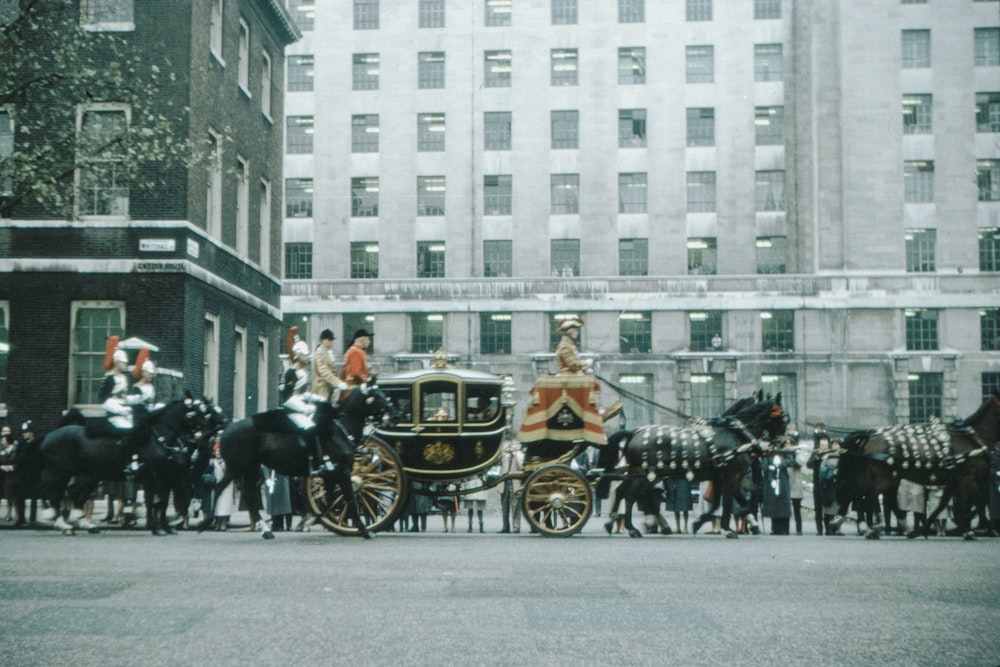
pixel 451 426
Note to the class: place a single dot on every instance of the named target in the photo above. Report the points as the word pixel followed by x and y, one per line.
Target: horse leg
pixel 255 506
pixel 609 525
pixel 727 511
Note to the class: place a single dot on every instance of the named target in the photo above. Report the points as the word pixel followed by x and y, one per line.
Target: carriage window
pixel 482 404
pixel 438 401
pixel 401 399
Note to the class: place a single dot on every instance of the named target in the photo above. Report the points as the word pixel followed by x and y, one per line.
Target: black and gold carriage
pixel 454 429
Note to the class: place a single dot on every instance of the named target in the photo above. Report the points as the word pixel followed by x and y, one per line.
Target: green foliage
pixel 51 70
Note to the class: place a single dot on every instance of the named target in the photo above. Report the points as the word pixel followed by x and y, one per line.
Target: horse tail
pixel 856 441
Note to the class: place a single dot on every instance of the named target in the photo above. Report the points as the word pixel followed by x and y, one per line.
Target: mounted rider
pixel 326 383
pixel 356 369
pixel 294 387
pixel 113 393
pixel 143 391
pixel 567 353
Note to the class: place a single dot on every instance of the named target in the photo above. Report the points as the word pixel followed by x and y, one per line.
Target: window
pixel 298 261
pixel 991 385
pixel 708 398
pixel 555 319
pixel 698 10
pixel 784 384
pixel 916 49
pixel 565 129
pixel 431 69
pixel 633 257
pixel 772 254
pixel 563 12
pixel 210 379
pixel 918 181
pixel 242 206
pixel 700 191
pixel 769 126
pixel 301 72
pixel 988 179
pixel 767 64
pixel 920 247
pixel 921 329
pixel 93 323
pixel 926 390
pixel 239 373
pixel 987 47
pixel 704 326
pixel 989 329
pixel 635 332
pixel 430 132
pixel 4 348
pixel 497 69
pixel 364 197
pixel 109 14
pixel 243 57
pixel 102 149
pixel 700 64
pixel 564 256
pixel 430 259
pixel 496 130
pixel 701 126
pixel 564 67
pixel 430 195
pixel 263 251
pixel 632 193
pixel 498 259
pixel 766 9
pixel 364 74
pixel 298 197
pixel 916 114
pixel 304 13
pixel 777 330
pixel 498 12
pixel 631 128
pixel 215 29
pixel 427 333
pixel 631 11
pixel 431 13
pixel 565 194
pixel 702 256
pixel 6 150
pixel 989 249
pixel 265 84
pixel 364 133
pixel 771 190
pixel 640 386
pixel 987 112
pixel 366 14
pixel 364 262
pixel 299 135
pixel 355 321
pixel 632 65
pixel 494 333
pixel 497 195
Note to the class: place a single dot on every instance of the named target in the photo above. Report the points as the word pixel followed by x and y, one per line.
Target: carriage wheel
pixel 557 501
pixel 379 484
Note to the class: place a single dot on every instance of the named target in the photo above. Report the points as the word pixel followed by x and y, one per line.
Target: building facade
pixel 192 268
pixel 797 195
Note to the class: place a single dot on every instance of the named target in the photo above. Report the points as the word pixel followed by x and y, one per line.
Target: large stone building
pixel 194 267
pixel 796 194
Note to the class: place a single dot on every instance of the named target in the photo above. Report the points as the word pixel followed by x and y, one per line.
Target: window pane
pixel 91 329
pixel 987 47
pixel 565 194
pixel 767 9
pixel 633 257
pixel 987 112
pixel 430 259
pixel 988 179
pixel 770 190
pixel 431 13
pixel 918 181
pixel 777 329
pixel 298 197
pixel 497 130
pixel 494 333
pixel 698 10
pixel 366 14
pixel 916 48
pixel 364 197
pixel 565 129
pixel 498 12
pixel 498 259
pixel 705 325
pixel 632 65
pixel 299 135
pixel 707 394
pixel 427 333
pixel 366 71
pixel 300 73
pixel 631 11
pixel 639 385
pixel 563 12
pixel 989 329
pixel 772 254
pixel 635 331
pixel 431 69
pixel 364 260
pixel 497 195
pixel 631 128
pixel 564 67
pixel 701 126
pixel 565 257
pixel 767 64
pixel 926 390
pixel 304 13
pixel 921 329
pixel 700 191
pixel 430 195
pixel 702 256
pixel 430 132
pixel 920 249
pixel 917 114
pixel 989 249
pixel 298 261
pixel 631 193
pixel 769 125
pixel 700 64
pixel 497 72
pixel 364 133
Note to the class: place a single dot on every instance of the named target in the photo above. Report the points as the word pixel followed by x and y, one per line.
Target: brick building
pixel 194 267
pixel 814 182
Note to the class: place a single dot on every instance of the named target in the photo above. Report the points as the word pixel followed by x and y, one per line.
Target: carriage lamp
pixel 508 398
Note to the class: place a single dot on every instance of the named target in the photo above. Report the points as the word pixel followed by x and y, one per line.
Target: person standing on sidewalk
pixel 511 462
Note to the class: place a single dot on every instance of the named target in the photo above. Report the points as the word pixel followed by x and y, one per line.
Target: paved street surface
pixel 125 597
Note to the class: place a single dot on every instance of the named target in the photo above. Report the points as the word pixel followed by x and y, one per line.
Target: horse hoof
pixel 267 535
pixel 731 535
pixel 634 533
pixel 609 526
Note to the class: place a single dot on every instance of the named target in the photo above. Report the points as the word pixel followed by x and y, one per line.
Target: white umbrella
pixel 135 343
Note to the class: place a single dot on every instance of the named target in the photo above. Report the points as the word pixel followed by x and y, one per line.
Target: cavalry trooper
pixel 114 390
pixel 143 391
pixel 567 353
pixel 294 386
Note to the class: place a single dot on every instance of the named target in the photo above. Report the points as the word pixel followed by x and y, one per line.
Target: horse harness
pixel 687 444
pixel 926 446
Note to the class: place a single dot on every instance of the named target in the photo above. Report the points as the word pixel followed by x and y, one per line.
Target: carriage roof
pixel 462 375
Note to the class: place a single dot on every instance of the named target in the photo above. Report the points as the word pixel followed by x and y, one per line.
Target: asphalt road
pixel 128 598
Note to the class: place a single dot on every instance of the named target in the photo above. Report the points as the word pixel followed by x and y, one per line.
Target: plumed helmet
pixel 300 350
pixel 140 360
pixel 149 367
pixel 110 350
pixel 572 323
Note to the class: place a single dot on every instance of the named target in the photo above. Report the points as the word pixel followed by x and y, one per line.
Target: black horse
pixel 85 456
pixel 271 439
pixel 716 450
pixel 955 456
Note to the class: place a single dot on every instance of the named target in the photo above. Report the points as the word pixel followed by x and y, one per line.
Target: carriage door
pixel 439 401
